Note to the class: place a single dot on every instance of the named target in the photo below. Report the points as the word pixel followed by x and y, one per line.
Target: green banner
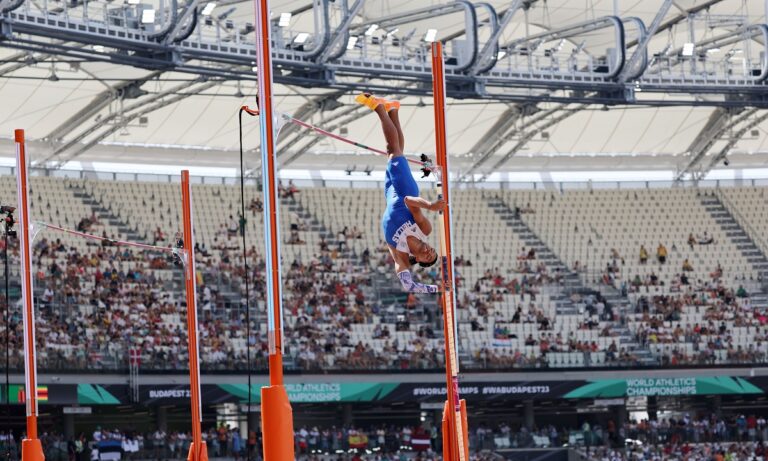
pixel 718 385
pixel 318 392
pixel 94 394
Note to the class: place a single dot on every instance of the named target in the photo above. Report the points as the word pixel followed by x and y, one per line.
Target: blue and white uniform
pixel 398 222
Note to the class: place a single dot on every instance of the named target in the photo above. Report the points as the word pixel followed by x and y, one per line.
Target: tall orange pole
pixel 197 449
pixel 276 412
pixel 31 449
pixel 455 440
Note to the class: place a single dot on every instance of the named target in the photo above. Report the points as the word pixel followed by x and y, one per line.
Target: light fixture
pixel 371 29
pixel 208 9
pixel 98 48
pixel 134 2
pixel 148 16
pixel 285 20
pixel 688 49
pixel 352 42
pixel 430 35
pixel 501 54
pixel 255 69
pixel 713 50
pixel 392 32
pixel 301 38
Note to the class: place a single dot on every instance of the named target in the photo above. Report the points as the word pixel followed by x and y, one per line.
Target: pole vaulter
pixel 31 448
pixel 455 440
pixel 197 449
pixel 276 413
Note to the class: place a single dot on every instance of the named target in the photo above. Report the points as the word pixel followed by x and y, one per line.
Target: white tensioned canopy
pixel 198 127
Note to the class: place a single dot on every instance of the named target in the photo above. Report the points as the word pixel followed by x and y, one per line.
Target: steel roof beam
pixel 180 22
pixel 642 47
pixel 340 36
pixel 731 142
pixel 144 110
pixel 720 122
pixel 487 57
pixel 527 136
pixel 98 103
pixel 96 126
pixel 508 120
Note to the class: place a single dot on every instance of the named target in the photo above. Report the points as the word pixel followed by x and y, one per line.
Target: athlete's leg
pixel 390 132
pixel 395 117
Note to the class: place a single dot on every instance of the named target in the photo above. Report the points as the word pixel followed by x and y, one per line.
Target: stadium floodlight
pixel 430 35
pixel 352 42
pixel 301 38
pixel 208 9
pixel 285 20
pixel 392 32
pixel 148 16
pixel 688 49
pixel 371 30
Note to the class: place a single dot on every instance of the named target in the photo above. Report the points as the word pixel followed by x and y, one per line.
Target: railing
pixel 753 234
pixel 300 179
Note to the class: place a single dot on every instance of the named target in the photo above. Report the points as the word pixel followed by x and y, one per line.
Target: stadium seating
pixel 340 296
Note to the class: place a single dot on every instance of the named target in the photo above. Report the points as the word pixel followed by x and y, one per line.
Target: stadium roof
pixel 70 108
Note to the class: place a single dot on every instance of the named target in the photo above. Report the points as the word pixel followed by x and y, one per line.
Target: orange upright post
pixel 197 449
pixel 276 413
pixel 455 441
pixel 31 449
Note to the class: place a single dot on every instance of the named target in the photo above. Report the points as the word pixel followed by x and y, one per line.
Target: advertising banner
pixel 330 392
pixel 718 385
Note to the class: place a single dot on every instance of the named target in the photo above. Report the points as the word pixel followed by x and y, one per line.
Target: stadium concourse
pixel 592 189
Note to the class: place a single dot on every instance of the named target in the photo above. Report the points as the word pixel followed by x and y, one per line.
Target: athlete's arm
pixel 418 202
pixel 402 269
pixel 415 204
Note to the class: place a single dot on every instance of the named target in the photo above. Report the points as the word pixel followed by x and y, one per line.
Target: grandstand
pixel 593 177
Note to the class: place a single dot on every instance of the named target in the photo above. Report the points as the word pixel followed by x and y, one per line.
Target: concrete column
pixel 162 419
pixel 69 427
pixel 528 416
pixel 348 419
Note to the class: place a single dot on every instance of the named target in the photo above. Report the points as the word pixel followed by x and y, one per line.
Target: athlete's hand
pixel 437 205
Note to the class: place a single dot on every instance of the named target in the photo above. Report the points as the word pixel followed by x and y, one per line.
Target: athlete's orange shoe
pixel 391 105
pixel 368 100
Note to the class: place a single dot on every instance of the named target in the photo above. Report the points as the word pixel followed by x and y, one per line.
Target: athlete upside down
pixel 404 224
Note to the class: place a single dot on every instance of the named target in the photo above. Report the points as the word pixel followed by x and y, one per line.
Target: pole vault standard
pixel 276 413
pixel 197 449
pixel 455 440
pixel 31 448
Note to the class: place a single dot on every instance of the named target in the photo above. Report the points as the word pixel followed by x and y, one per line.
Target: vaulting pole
pixel 31 449
pixel 276 413
pixel 455 440
pixel 197 449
